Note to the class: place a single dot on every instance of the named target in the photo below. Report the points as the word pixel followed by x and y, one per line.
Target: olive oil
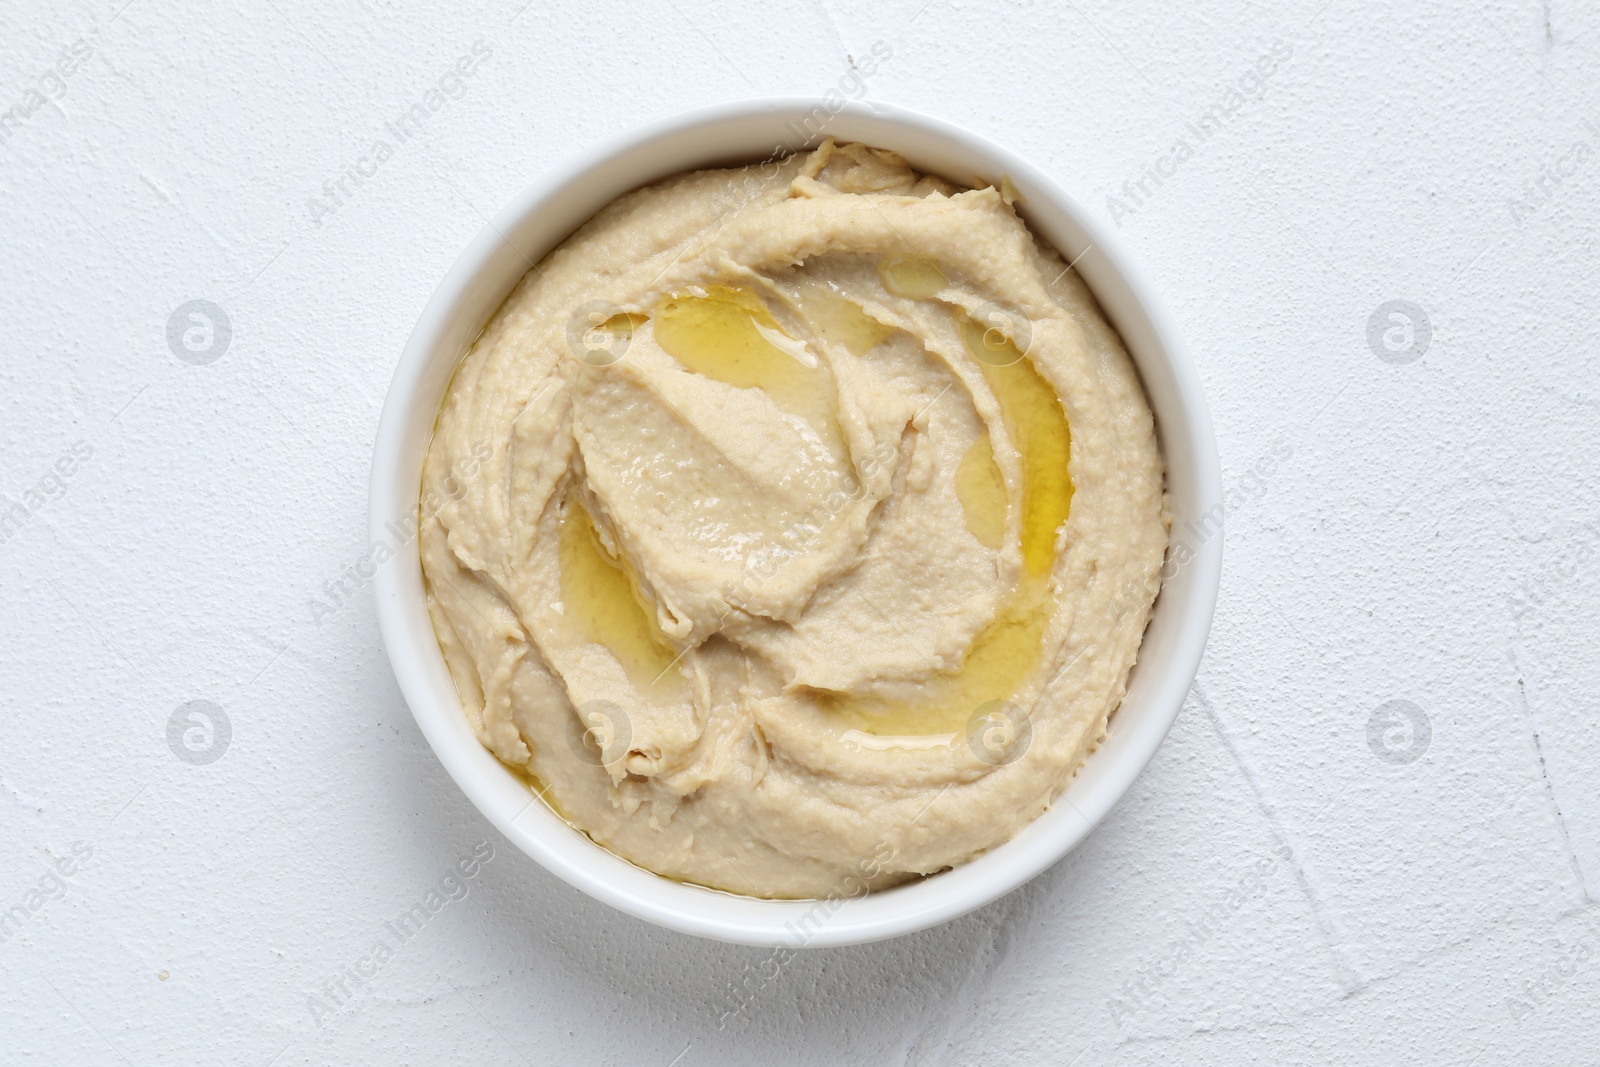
pixel 998 661
pixel 1006 652
pixel 729 335
pixel 1033 417
pixel 600 598
pixel 982 493
pixel 915 277
pixel 836 318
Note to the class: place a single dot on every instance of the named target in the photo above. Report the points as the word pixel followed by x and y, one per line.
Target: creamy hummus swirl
pixel 794 528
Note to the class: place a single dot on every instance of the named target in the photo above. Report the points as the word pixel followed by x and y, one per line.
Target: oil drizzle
pixel 916 277
pixel 1038 428
pixel 836 318
pixel 1007 651
pixel 729 335
pixel 982 493
pixel 601 600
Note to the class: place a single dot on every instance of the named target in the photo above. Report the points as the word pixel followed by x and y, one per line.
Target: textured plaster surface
pixel 1291 882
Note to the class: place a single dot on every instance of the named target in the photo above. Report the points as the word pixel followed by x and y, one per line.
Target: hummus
pixel 794 528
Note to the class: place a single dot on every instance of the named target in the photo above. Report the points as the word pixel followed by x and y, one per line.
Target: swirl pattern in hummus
pixel 795 527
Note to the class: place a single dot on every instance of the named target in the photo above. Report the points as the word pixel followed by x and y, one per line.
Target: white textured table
pixel 1307 873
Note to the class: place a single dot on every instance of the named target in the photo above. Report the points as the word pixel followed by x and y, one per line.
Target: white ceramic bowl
pixel 538 220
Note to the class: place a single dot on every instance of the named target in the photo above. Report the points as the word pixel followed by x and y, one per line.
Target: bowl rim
pixel 847 918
